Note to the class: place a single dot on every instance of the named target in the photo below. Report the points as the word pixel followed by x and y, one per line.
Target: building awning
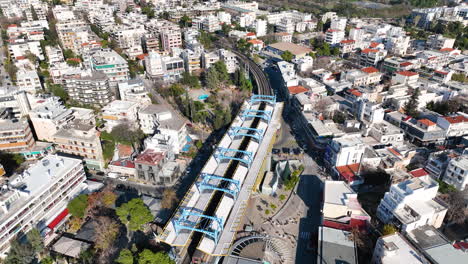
pixel 58 219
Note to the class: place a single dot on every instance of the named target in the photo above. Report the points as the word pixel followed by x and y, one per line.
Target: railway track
pixel 263 84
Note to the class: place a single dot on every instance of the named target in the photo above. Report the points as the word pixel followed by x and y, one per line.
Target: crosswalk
pixel 305 235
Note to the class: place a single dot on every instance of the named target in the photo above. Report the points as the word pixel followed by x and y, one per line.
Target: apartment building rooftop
pixel 167 118
pixel 51 108
pixel 150 157
pixel 119 106
pixel 78 129
pixel 33 182
pixel 107 56
pixel 12 124
pixel 335 246
pixel 435 246
pixel 398 250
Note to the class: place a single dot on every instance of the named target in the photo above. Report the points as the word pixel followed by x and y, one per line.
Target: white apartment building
pixel 28 81
pixel 329 15
pixel 89 87
pixel 36 198
pixel 261 27
pixel 164 67
pixel 20 48
pixel 345 151
pixel 334 36
pixel 371 57
pixel 286 25
pixel 395 249
pixel 364 76
pixel 209 23
pixel 171 38
pixel 111 64
pixel 163 123
pixel 81 139
pixel 120 112
pixel 230 59
pixel 456 125
pixel 356 34
pixel 457 172
pixel 412 203
pixel 134 91
pixel 438 42
pixel 371 112
pixel 128 38
pixel 48 117
pixel 224 17
pixel 405 77
pixel 54 54
pixel 386 133
pixel 208 59
pixel 339 23
pixel 398 45
pixel 192 60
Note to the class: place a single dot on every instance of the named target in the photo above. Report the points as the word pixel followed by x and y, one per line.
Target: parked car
pixel 275 151
pixel 297 151
pixel 286 150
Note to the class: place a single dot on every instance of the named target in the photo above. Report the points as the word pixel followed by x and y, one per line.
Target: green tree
pixel 20 253
pixel 34 14
pixel 185 21
pixel 190 80
pixel 205 39
pixel 460 77
pixel 134 214
pixel 149 257
pixel 211 79
pixel 68 54
pixel 287 56
pixel 125 257
pixel 124 134
pixel 57 90
pixel 35 239
pixel 73 63
pixel 77 206
pixel 148 11
pixel 411 106
pixel 389 229
pixel 11 161
pixel 226 29
pixel 47 260
pixel 222 71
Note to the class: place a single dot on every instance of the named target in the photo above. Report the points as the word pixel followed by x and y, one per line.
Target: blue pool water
pixel 203 97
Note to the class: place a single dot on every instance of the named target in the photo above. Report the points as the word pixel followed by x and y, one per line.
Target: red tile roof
pixel 348 172
pixel 426 122
pixel 447 49
pixel 150 157
pixel 441 72
pixel 333 30
pixel 374 44
pixel 369 50
pixel 407 73
pixel 456 119
pixel 297 89
pixel 142 56
pixel 124 163
pixel 419 172
pixel 250 34
pixel 406 63
pixel 355 92
pixel 394 152
pixel 124 150
pixel 74 59
pixel 369 70
pixel 255 41
pixel 347 41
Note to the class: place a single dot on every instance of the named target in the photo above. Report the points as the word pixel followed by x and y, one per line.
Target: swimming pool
pixel 203 97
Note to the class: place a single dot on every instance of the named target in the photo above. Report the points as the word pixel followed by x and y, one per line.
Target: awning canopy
pixel 58 219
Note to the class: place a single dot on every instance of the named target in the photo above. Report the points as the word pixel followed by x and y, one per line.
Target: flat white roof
pixel 397 250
